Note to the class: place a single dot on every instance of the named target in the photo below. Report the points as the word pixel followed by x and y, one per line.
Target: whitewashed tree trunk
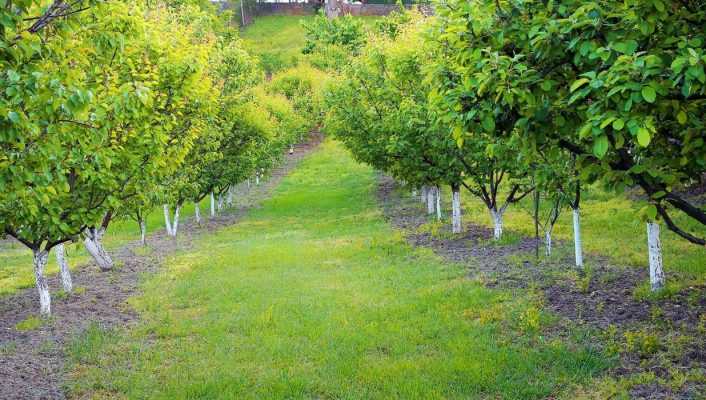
pixel 257 179
pixel 40 263
pixel 143 232
pixel 497 217
pixel 655 253
pixel 424 193
pixel 229 199
pixel 437 195
pixel 175 227
pixel 213 205
pixel 60 253
pixel 220 202
pixel 548 242
pixel 167 222
pixel 197 212
pixel 291 149
pixel 430 201
pixel 578 247
pixel 456 225
pixel 95 247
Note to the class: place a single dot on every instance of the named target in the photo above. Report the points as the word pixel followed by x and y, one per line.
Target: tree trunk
pixel 291 149
pixel 437 195
pixel 424 193
pixel 257 179
pixel 655 254
pixel 40 263
pixel 456 226
pixel 497 217
pixel 63 268
pixel 229 199
pixel 578 247
pixel 95 247
pixel 197 212
pixel 430 201
pixel 220 202
pixel 175 227
pixel 167 222
pixel 213 205
pixel 548 242
pixel 143 232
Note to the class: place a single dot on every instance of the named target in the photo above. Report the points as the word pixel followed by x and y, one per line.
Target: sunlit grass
pixel 314 295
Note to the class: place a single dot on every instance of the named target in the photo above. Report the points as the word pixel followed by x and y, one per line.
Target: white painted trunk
pixel 213 205
pixel 655 253
pixel 430 201
pixel 143 232
pixel 176 221
pixel 229 199
pixel 424 193
pixel 578 247
pixel 40 263
pixel 60 253
pixel 95 247
pixel 167 222
pixel 220 202
pixel 456 225
pixel 291 149
pixel 197 212
pixel 548 242
pixel 437 197
pixel 497 217
pixel 257 179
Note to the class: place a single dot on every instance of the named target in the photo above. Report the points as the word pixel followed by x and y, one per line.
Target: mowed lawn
pixel 314 295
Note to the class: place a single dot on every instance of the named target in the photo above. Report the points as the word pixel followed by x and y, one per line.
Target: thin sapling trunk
pixel 437 194
pixel 213 205
pixel 456 225
pixel 167 221
pixel 655 256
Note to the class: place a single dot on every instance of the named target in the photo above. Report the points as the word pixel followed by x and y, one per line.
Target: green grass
pixel 16 260
pixel 610 226
pixel 276 40
pixel 314 295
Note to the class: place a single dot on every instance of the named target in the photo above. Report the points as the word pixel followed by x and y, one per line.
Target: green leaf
pixel 627 47
pixel 681 117
pixel 643 137
pixel 578 84
pixel 649 94
pixel 618 124
pixel 14 117
pixel 600 146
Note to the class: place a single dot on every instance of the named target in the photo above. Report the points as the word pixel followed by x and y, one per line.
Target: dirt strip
pixel 661 340
pixel 31 362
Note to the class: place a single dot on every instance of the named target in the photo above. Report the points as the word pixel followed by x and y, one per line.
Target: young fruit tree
pixel 620 84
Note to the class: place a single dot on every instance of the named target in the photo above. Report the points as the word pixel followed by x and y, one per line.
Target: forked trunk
pixel 578 247
pixel 60 253
pixel 167 222
pixel 497 217
pixel 456 225
pixel 655 254
pixel 95 247
pixel 40 263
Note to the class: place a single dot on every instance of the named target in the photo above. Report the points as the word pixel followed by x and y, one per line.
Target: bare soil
pixel 31 362
pixel 600 300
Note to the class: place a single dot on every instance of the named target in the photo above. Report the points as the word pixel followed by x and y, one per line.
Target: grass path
pixel 315 296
